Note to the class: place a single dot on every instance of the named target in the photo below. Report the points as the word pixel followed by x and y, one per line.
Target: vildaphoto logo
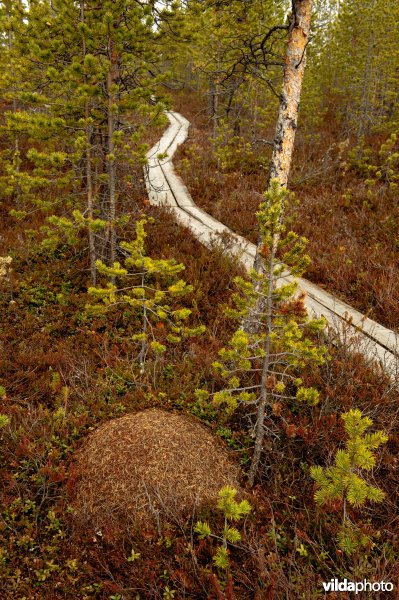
pixel 334 585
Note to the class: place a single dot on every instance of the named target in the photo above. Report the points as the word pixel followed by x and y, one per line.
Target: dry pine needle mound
pixel 147 466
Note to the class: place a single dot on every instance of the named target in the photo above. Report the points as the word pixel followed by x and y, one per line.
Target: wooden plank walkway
pixel 165 188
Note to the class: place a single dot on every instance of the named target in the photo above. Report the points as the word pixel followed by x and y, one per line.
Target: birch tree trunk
pixel 279 170
pixel 290 96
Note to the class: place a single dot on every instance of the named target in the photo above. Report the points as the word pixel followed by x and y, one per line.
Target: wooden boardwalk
pixel 165 188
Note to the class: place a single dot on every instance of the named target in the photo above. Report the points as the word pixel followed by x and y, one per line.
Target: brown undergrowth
pixel 66 375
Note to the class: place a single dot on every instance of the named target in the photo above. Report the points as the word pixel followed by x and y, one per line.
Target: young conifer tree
pixel 13 73
pixel 263 366
pixel 233 511
pixel 25 120
pixel 149 289
pixel 362 86
pixel 233 46
pixel 343 480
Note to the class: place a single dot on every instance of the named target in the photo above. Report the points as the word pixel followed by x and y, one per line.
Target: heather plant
pixel 5 274
pixel 5 265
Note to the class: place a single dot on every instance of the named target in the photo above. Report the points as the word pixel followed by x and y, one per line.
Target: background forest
pixel 276 443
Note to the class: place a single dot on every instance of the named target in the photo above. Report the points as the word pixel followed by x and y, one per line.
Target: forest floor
pixel 353 236
pixel 53 357
pixel 65 374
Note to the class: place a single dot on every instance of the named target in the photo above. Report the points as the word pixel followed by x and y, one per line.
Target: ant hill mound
pixel 146 467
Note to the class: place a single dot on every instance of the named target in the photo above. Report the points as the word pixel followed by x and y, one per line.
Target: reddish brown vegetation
pixel 65 375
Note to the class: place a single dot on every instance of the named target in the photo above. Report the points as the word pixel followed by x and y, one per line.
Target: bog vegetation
pixel 170 426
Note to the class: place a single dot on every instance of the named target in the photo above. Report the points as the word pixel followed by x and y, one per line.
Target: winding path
pixel 165 188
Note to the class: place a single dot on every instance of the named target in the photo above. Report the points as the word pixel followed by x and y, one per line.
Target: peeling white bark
pixel 295 62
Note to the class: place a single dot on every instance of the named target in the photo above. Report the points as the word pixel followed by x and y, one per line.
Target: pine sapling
pixel 149 288
pixel 343 480
pixel 261 365
pixel 233 512
pixel 4 421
